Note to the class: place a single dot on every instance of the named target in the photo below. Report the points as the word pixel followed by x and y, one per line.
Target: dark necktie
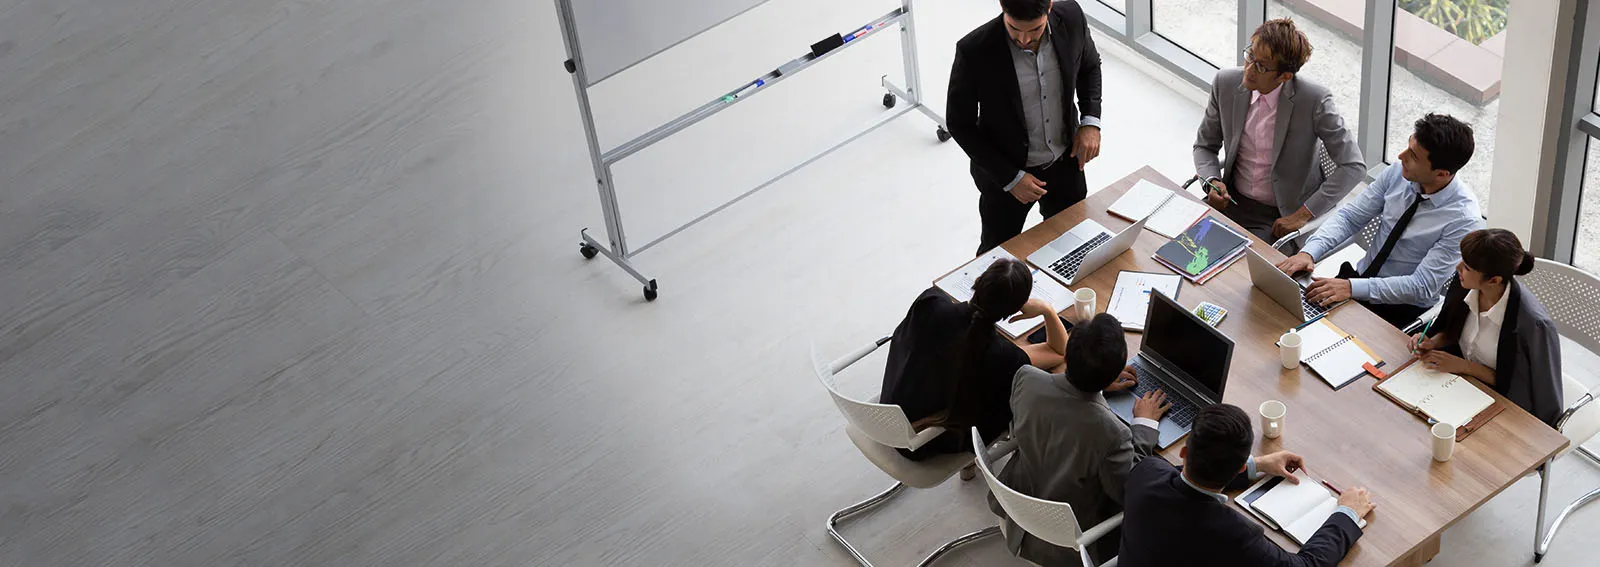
pixel 1394 238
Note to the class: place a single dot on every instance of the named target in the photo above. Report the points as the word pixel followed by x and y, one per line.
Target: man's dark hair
pixel 1096 354
pixel 1448 141
pixel 1025 9
pixel 1289 47
pixel 1218 445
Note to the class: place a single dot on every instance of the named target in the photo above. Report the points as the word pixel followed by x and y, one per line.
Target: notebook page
pixel 958 284
pixel 1339 366
pixel 1175 217
pixel 1455 402
pixel 1307 524
pixel 1140 201
pixel 1316 337
pixel 1415 383
pixel 1286 503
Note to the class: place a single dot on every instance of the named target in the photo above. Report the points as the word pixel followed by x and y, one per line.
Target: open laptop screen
pixel 1180 339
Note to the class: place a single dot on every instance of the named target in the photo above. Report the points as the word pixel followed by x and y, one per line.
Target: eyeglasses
pixel 1251 61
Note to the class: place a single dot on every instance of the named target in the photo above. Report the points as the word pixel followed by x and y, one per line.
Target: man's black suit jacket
pixel 984 112
pixel 1166 523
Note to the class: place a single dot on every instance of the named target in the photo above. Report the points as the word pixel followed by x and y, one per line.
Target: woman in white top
pixel 1495 330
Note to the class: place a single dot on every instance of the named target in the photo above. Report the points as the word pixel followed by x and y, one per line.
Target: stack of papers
pixel 1168 213
pixel 958 285
pixel 1130 301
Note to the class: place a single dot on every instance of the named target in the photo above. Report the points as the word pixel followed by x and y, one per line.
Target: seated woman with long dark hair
pixel 949 367
pixel 1493 329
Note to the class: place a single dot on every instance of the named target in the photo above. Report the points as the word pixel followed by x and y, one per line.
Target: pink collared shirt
pixel 1252 171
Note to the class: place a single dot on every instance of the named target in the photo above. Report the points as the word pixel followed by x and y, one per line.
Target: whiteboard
pixel 615 34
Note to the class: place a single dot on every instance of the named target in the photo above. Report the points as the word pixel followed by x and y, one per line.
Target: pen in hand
pixel 1213 187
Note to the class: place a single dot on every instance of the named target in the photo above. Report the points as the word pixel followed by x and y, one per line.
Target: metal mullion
pixel 1562 205
pixel 1377 63
pixel 1252 13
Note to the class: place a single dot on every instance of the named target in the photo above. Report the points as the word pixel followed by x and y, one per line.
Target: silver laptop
pixel 1182 356
pixel 1083 250
pixel 1287 291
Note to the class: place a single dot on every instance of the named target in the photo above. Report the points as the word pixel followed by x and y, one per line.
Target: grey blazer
pixel 1070 448
pixel 1529 355
pixel 1305 115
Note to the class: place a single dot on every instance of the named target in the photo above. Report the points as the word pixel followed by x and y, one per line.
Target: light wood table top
pixel 1350 437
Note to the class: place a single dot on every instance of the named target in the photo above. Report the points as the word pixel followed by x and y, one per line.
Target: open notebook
pixel 1297 510
pixel 1443 397
pixel 1169 214
pixel 1336 356
pixel 958 284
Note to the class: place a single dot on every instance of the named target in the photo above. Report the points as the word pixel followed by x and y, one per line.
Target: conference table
pixel 1350 437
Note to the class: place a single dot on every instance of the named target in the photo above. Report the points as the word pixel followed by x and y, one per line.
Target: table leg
pixel 1422 554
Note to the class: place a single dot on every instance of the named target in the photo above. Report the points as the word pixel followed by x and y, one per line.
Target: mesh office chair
pixel 877 430
pixel 1051 521
pixel 1569 295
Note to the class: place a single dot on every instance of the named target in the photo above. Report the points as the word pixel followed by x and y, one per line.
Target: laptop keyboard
pixel 1182 412
pixel 1312 310
pixel 1067 266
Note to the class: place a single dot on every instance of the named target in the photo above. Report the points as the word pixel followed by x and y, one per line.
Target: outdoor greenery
pixel 1472 20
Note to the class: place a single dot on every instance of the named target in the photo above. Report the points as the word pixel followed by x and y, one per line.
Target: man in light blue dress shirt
pixel 1424 210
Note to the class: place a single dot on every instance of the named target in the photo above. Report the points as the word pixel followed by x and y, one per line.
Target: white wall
pixel 1526 105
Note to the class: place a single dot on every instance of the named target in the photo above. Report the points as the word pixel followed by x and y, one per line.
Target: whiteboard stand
pixel 618 251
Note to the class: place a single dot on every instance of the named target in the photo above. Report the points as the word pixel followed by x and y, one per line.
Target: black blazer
pixel 1166 523
pixel 984 111
pixel 1528 359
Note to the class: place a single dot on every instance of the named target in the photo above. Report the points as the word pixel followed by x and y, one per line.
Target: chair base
pixel 875 501
pixel 1544 536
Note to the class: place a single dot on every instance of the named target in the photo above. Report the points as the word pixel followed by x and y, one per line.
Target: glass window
pixel 1335 54
pixel 1204 27
pixel 1447 59
pixel 1121 6
pixel 1586 245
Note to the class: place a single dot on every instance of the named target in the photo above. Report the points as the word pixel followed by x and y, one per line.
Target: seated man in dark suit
pixel 1174 517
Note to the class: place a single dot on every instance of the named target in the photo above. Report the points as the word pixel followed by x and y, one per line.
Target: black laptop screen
pixel 1181 339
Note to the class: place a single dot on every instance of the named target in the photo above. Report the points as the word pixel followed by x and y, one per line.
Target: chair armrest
pixel 1002 447
pixel 839 365
pixel 1094 534
pixel 1100 530
pixel 1561 423
pixel 923 437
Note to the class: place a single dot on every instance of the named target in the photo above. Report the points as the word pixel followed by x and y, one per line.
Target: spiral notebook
pixel 1337 357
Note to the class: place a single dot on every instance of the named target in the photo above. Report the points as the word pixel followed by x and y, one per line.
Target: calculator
pixel 1210 312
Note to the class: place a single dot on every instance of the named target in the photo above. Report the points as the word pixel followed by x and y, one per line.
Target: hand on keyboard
pixel 1152 405
pixel 1128 379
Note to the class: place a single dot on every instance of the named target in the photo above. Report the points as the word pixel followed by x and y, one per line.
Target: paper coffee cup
pixel 1444 441
pixel 1272 414
pixel 1289 349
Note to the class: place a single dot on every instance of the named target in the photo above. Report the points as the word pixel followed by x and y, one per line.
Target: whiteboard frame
pixel 618 250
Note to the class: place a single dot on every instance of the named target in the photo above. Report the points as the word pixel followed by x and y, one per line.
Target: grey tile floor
pixel 296 283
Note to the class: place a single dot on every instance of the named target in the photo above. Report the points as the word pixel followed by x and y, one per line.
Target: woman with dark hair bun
pixel 949 367
pixel 1495 330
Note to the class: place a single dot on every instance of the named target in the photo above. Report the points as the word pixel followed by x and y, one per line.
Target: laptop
pixel 1182 356
pixel 1083 250
pixel 1287 291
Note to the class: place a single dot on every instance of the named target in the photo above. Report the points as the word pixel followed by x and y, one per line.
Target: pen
pixel 1213 187
pixel 1424 335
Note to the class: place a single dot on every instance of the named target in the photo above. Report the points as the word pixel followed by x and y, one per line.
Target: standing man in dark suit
pixel 1181 517
pixel 1011 110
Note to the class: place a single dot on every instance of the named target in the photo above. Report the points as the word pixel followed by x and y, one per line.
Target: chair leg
pixel 853 509
pixel 958 542
pixel 864 505
pixel 1550 534
pixel 1587 454
pixel 1544 495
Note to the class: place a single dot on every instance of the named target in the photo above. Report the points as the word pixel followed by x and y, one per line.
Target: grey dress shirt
pixel 1039 79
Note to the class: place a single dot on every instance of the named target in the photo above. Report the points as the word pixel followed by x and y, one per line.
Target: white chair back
pixel 1053 522
pixel 1571 296
pixel 883 423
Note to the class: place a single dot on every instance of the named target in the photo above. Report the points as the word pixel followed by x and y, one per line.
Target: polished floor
pixel 296 283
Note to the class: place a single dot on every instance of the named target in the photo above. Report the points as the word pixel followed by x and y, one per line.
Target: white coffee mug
pixel 1272 414
pixel 1444 441
pixel 1289 349
pixel 1085 301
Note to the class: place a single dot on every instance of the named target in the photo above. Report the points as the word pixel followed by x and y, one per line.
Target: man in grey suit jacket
pixel 1269 120
pixel 1070 446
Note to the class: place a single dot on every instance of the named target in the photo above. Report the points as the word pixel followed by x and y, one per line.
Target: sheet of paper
pixel 959 283
pixel 1341 365
pixel 1329 267
pixel 1307 525
pixel 1175 217
pixel 1316 337
pixel 1045 288
pixel 1130 300
pixel 1140 201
